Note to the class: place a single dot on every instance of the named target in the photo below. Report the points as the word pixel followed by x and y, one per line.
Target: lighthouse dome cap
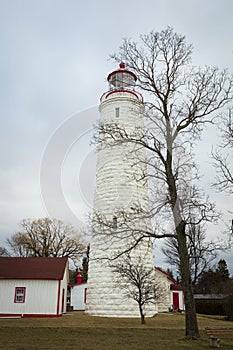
pixel 122 69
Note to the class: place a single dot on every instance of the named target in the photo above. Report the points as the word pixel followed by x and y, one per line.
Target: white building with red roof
pixel 171 295
pixel 33 287
pixel 77 293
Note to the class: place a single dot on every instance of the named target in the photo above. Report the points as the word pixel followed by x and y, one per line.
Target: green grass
pixel 79 331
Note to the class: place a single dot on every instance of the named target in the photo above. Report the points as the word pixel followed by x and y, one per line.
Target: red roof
pixel 32 268
pixel 165 273
pixel 176 286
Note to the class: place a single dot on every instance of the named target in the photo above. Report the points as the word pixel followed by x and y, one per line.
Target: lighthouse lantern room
pixel 122 79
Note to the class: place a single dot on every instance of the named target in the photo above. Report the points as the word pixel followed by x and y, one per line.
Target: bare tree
pixel 47 237
pixel 223 159
pixel 201 252
pixel 181 101
pixel 138 281
pixel 223 162
pixel 4 251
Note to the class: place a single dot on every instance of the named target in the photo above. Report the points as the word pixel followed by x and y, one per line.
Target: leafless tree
pixel 47 237
pixel 223 163
pixel 201 252
pixel 138 281
pixel 4 251
pixel 181 100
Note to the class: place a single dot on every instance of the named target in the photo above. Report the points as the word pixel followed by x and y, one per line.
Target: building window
pixel 114 222
pixel 20 293
pixel 117 112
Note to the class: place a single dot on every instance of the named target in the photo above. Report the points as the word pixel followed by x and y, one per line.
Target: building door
pixel 175 296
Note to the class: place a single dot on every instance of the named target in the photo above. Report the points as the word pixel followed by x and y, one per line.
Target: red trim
pixel 106 94
pixel 121 70
pixel 165 273
pixel 29 315
pixel 58 296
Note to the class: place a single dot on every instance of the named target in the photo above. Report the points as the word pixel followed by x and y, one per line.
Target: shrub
pixel 210 307
pixel 228 306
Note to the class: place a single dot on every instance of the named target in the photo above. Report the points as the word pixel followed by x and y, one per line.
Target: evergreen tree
pixel 214 282
pixel 222 270
pixel 206 282
pixel 73 276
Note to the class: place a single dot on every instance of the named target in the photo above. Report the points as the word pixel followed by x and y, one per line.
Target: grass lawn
pixel 79 331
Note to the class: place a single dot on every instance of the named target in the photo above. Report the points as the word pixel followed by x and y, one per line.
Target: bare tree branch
pixel 201 252
pixel 222 160
pixel 138 281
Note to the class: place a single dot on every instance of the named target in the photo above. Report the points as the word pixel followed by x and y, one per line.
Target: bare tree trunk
pixel 190 310
pixel 141 314
pixel 191 326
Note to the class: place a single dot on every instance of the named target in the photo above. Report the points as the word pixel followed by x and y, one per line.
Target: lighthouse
pixel 121 193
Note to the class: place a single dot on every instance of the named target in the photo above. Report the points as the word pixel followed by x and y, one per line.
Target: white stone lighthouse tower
pixel 118 192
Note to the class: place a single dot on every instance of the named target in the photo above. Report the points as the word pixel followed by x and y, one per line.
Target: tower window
pixel 117 112
pixel 114 222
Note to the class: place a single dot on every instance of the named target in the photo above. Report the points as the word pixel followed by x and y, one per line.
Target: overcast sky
pixel 53 66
